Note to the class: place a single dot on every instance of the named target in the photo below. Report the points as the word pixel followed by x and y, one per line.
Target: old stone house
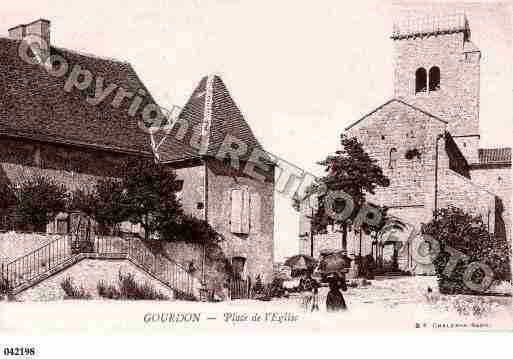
pixel 426 139
pixel 67 123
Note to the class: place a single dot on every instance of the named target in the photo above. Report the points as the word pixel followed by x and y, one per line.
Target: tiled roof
pixel 410 27
pixel 35 105
pixel 211 114
pixel 494 155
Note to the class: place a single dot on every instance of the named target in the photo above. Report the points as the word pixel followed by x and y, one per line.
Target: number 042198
pixel 19 351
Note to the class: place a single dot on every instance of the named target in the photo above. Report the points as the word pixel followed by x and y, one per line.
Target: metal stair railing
pixel 165 269
pixel 44 259
pixel 36 263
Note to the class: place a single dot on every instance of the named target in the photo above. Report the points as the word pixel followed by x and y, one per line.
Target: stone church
pixel 426 140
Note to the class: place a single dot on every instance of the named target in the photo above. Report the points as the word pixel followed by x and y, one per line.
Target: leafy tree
pixel 7 200
pixel 353 171
pixel 105 204
pixel 454 228
pixel 149 195
pixel 39 200
pixel 145 193
pixel 7 197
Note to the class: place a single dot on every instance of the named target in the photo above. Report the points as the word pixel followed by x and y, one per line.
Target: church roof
pixel 211 115
pixel 35 105
pixel 495 155
pixel 398 101
pixel 432 25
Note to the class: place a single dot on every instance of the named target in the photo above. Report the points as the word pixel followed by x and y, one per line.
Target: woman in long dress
pixel 335 300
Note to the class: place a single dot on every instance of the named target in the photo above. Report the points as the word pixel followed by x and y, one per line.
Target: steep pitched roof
pixel 495 155
pixel 398 101
pixel 35 105
pixel 211 114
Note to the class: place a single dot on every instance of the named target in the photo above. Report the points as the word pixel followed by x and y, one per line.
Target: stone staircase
pixel 60 254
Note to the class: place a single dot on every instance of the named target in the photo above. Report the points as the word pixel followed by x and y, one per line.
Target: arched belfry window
pixel 434 78
pixel 420 80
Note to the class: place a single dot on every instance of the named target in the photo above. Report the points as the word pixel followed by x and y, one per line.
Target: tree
pixel 149 195
pixel 145 193
pixel 106 204
pixel 39 200
pixel 456 229
pixel 354 172
pixel 7 197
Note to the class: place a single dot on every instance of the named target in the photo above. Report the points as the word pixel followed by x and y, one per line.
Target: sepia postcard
pixel 231 165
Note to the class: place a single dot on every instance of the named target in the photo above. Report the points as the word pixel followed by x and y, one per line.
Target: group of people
pixel 334 300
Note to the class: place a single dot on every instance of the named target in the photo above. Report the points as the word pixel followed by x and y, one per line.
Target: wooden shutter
pixel 240 211
pixel 236 211
pixel 255 212
pixel 245 212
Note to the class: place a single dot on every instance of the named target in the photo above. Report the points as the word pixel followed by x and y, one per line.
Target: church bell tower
pixel 437 69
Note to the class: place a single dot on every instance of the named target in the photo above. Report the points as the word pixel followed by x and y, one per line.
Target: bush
pixel 190 229
pixel 129 289
pixel 72 292
pixel 456 229
pixel 107 290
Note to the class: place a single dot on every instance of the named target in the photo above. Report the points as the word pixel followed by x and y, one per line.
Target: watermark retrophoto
pixel 181 167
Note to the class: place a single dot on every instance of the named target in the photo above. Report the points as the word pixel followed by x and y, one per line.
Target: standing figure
pixel 310 289
pixel 335 300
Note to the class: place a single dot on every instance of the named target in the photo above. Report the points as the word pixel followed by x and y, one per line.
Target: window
pixel 420 80
pixel 434 79
pixel 239 219
pixel 392 158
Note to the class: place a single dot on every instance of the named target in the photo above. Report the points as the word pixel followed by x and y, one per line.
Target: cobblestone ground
pixel 385 305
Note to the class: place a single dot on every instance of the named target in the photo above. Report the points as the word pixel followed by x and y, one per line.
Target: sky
pixel 299 71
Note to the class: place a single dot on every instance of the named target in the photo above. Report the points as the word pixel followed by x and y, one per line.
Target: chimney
pixel 37 32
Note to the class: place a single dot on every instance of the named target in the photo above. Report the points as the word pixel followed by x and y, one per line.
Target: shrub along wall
pixel 86 274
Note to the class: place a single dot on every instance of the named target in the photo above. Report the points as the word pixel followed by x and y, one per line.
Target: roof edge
pixel 400 101
pixel 76 144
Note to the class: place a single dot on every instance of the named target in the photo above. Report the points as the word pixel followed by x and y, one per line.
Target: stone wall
pixel 387 135
pixel 192 195
pixel 257 247
pixel 498 181
pixel 457 100
pixel 87 273
pixel 208 262
pixel 461 192
pixel 72 166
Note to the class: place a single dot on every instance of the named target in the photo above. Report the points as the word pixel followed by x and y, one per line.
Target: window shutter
pixel 255 212
pixel 245 212
pixel 236 212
